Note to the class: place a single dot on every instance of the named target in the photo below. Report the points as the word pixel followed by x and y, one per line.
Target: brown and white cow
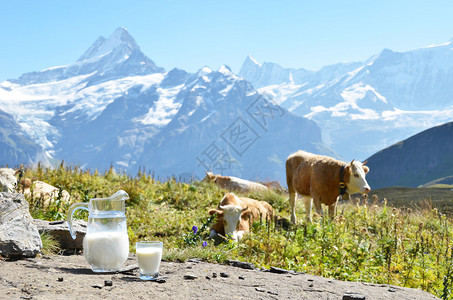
pixel 236 214
pixel 231 183
pixel 318 177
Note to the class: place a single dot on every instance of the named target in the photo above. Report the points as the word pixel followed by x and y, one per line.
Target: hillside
pixel 422 158
pixel 445 181
pixel 408 197
pixel 364 243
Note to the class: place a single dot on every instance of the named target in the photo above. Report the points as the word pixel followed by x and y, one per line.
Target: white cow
pixel 231 183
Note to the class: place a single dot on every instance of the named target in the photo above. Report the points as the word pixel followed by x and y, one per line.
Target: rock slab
pixel 60 231
pixel 38 278
pixel 19 236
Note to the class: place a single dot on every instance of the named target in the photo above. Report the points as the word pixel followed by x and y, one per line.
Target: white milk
pixel 149 259
pixel 106 251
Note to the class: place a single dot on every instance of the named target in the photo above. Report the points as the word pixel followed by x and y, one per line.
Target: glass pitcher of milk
pixel 106 244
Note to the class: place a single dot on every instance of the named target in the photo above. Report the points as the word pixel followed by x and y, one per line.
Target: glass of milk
pixel 149 255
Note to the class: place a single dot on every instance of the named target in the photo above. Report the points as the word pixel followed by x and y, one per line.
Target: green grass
pixel 371 242
pixel 49 244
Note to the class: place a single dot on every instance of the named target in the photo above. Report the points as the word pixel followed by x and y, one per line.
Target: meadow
pixel 368 240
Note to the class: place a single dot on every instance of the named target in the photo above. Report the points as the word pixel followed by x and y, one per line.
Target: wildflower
pixel 204 244
pixel 195 229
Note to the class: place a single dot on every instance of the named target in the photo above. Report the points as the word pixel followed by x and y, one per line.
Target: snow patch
pixel 204 71
pixel 208 116
pixel 281 92
pixel 358 92
pixel 225 70
pixel 226 90
pixel 163 109
pixel 254 60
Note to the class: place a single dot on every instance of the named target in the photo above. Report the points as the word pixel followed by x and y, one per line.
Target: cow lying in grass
pixel 236 214
pixel 323 179
pixel 231 183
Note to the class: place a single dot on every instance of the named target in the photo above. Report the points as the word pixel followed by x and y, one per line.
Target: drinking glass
pixel 149 255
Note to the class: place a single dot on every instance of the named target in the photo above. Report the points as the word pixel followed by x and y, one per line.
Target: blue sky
pixel 36 35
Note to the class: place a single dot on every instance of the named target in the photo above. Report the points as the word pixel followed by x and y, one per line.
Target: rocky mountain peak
pixel 103 46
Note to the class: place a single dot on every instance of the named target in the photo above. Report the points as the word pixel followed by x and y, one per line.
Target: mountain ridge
pixel 420 159
pixel 103 60
pixel 15 145
pixel 115 106
pixel 111 108
pixel 385 99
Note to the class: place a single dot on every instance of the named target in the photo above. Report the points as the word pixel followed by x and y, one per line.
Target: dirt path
pixel 69 277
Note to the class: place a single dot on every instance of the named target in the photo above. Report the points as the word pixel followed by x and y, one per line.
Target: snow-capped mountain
pixel 15 145
pixel 106 59
pixel 226 125
pixel 114 106
pixel 364 107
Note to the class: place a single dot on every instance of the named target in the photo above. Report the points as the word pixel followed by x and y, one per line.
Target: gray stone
pixel 240 264
pixel 60 231
pixel 273 293
pixel 129 269
pixel 108 283
pixel 354 296
pixel 161 280
pixel 97 286
pixel 8 180
pixel 281 271
pixel 19 236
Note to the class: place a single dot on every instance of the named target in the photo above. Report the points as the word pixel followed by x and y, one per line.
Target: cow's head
pixel 210 177
pixel 232 220
pixel 355 180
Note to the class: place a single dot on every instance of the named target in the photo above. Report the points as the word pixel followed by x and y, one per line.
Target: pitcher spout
pixel 120 195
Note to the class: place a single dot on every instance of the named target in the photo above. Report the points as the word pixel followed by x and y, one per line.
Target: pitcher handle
pixel 71 211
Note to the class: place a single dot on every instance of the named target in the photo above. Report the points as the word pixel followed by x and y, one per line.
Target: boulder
pixel 8 180
pixel 60 231
pixel 19 236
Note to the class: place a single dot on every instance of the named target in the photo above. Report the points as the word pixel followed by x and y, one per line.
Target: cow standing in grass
pixel 236 214
pixel 322 179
